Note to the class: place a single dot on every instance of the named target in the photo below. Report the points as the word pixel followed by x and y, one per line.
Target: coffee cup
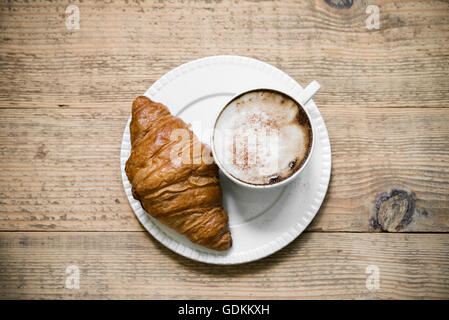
pixel 263 138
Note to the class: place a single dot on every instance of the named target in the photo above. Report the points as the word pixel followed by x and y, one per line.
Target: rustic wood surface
pixel 134 265
pixel 65 96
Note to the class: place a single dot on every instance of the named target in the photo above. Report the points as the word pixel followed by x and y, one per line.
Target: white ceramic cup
pixel 302 100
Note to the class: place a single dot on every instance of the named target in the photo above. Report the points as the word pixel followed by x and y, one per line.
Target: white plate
pixel 261 222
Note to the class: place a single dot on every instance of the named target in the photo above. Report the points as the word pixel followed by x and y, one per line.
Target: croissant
pixel 184 195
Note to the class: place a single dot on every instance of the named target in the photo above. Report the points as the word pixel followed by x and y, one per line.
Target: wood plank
pixel 122 47
pixel 132 265
pixel 60 170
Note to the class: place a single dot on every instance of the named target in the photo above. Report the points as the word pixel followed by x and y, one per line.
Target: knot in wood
pixel 394 210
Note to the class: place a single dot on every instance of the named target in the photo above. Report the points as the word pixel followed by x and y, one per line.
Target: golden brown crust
pixel 185 196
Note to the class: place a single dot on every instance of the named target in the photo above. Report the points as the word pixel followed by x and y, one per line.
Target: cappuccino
pixel 262 137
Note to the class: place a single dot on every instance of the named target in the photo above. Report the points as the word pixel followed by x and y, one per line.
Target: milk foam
pixel 262 137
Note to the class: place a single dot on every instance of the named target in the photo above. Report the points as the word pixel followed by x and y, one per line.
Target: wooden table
pixel 65 96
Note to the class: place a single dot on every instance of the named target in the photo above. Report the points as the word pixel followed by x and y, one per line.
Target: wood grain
pixel 60 168
pixel 65 96
pixel 122 47
pixel 132 265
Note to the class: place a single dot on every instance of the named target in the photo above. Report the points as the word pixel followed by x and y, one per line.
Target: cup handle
pixel 309 92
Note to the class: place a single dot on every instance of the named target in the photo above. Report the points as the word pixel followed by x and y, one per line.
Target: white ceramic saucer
pixel 261 221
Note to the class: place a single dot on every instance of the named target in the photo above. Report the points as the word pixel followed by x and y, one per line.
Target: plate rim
pixel 153 226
